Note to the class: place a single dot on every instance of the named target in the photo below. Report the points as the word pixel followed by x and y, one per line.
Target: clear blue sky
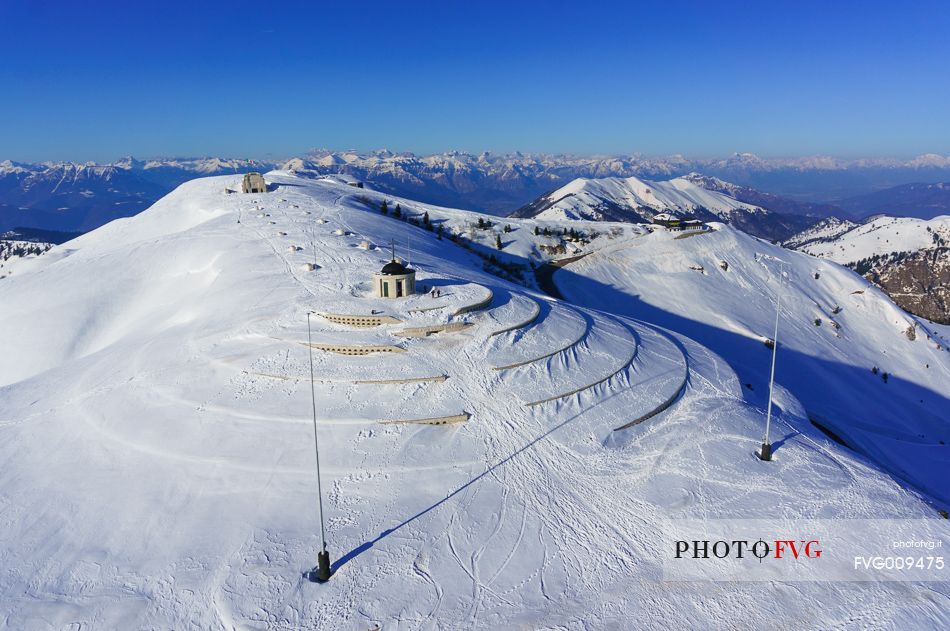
pixel 98 80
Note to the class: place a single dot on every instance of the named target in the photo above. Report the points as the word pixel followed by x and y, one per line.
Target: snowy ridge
pixel 835 329
pixel 908 258
pixel 81 196
pixel 847 243
pixel 824 230
pixel 634 199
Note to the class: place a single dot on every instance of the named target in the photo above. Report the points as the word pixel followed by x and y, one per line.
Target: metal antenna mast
pixel 766 452
pixel 313 246
pixel 323 557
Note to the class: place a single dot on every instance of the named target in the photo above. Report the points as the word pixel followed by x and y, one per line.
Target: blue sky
pixel 98 80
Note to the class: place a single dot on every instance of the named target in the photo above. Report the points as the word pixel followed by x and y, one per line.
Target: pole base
pixel 323 567
pixel 766 452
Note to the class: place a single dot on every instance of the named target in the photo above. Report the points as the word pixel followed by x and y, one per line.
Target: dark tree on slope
pixel 384 208
pixel 398 211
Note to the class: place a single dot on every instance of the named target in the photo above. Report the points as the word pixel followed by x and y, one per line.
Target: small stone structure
pixel 254 183
pixel 438 420
pixel 395 280
pixel 426 331
pixel 377 382
pixel 352 349
pixel 360 321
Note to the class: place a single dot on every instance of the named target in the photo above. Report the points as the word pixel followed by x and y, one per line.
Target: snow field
pixel 153 478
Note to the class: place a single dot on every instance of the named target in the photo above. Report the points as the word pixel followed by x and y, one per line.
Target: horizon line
pixel 274 158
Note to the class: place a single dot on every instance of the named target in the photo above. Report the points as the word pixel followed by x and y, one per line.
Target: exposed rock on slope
pixel 917 281
pixel 908 258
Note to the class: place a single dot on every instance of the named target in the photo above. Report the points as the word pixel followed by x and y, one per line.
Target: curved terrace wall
pixel 360 321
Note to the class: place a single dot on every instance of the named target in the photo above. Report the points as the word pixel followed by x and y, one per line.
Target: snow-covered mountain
pixel 500 183
pixel 634 200
pixel 13 248
pixel 158 463
pixel 81 196
pixel 846 242
pixel 821 231
pixel 16 244
pixel 838 335
pixel 909 258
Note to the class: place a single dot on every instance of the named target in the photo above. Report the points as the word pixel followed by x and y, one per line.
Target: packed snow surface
pixel 838 335
pixel 157 443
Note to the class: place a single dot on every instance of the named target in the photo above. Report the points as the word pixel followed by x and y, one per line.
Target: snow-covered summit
pixel 157 439
pixel 633 199
pixel 826 229
pixel 846 242
pixel 908 258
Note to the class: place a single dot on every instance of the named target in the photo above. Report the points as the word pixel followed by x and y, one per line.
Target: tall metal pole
pixel 313 246
pixel 323 557
pixel 766 453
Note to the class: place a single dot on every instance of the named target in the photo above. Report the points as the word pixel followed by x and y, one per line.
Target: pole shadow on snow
pixel 784 439
pixel 363 547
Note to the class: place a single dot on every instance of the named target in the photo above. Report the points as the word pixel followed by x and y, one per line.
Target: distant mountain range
pixel 771 201
pixel 924 201
pixel 501 183
pixel 72 197
pixel 67 196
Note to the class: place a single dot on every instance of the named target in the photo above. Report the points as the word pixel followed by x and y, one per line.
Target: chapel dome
pixel 393 268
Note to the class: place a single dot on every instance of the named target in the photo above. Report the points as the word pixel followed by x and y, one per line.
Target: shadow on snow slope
pixel 850 400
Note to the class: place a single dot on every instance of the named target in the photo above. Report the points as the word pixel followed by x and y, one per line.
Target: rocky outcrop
pixel 919 282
